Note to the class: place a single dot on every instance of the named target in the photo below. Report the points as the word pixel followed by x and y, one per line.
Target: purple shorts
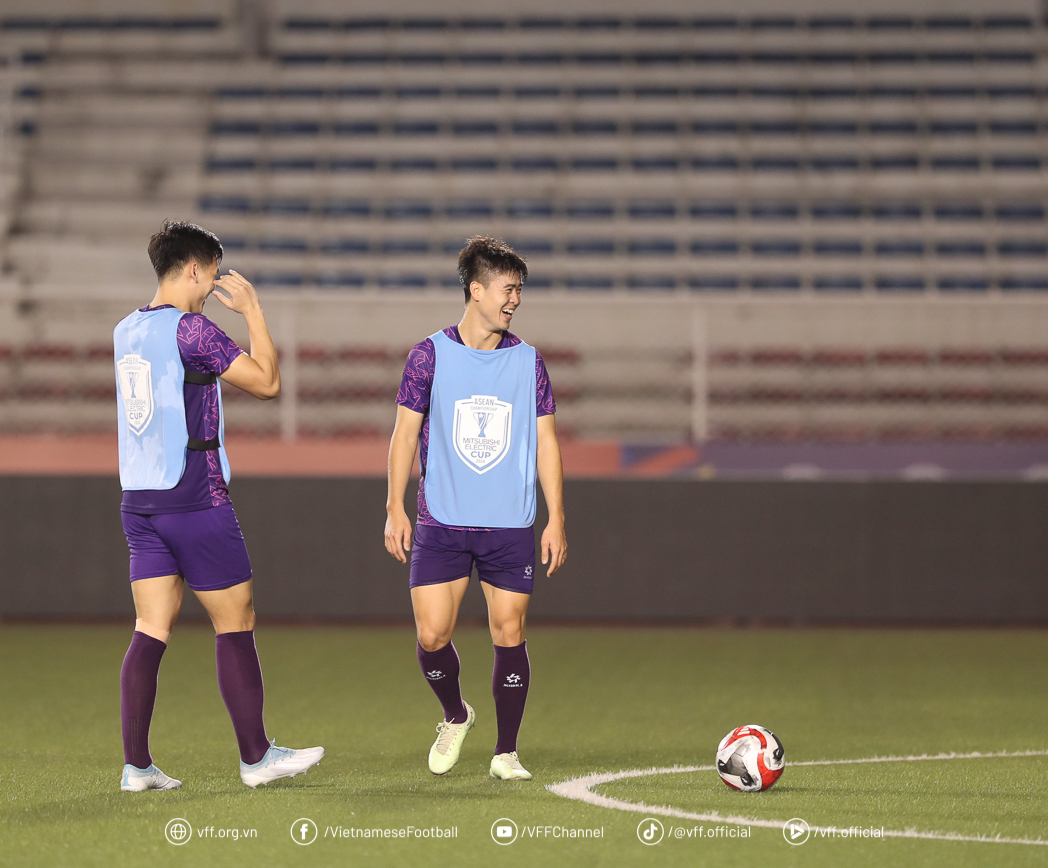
pixel 205 547
pixel 505 557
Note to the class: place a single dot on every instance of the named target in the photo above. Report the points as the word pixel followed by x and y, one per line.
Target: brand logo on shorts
pixel 513 680
pixel 135 376
pixel 527 572
pixel 481 431
pixel 435 675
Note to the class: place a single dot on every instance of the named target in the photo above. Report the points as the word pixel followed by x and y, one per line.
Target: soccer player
pixel 176 511
pixel 478 400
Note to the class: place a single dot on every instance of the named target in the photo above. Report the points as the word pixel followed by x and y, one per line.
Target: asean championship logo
pixel 481 431
pixel 135 376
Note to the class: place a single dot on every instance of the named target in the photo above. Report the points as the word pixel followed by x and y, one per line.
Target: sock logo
pixel 513 680
pixel 435 674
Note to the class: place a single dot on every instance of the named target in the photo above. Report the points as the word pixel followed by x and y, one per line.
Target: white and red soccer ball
pixel 750 758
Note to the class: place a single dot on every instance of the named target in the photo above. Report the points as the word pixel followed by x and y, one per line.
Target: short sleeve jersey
pixel 203 347
pixel 417 384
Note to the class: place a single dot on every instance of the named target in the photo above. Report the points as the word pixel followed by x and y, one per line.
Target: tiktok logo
pixel 650 831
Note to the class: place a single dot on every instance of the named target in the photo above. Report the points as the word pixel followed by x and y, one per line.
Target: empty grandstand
pixel 813 224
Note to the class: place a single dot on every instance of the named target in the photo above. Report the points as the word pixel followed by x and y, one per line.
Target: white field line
pixel 580 789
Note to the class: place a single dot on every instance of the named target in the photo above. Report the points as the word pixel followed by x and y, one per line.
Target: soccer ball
pixel 750 758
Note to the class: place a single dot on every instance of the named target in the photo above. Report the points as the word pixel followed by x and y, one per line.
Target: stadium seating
pixel 709 159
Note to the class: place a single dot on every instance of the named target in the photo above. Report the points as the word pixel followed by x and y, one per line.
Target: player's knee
pixel 432 640
pixel 508 632
pixel 152 627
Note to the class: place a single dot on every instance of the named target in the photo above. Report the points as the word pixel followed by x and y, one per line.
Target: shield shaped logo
pixel 135 376
pixel 482 431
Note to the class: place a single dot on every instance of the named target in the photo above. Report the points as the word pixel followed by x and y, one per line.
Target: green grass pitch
pixel 602 700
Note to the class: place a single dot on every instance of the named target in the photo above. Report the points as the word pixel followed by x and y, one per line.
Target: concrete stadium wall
pixel 731 552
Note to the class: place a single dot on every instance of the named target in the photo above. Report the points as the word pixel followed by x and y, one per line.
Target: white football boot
pixel 446 749
pixel 506 767
pixel 280 762
pixel 136 780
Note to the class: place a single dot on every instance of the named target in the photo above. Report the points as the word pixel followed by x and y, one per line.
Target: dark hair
pixel 483 257
pixel 178 243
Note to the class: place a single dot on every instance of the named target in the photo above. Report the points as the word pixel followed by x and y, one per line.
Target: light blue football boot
pixel 136 780
pixel 280 762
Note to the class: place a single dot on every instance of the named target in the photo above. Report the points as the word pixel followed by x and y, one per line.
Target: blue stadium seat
pixel 595 127
pixel 590 246
pixel 344 246
pixel 721 163
pixel 713 210
pixel 537 281
pixel 590 210
pixel 900 283
pixel 1020 211
pixel 408 210
pixel 713 282
pixel 249 92
pixel 347 208
pixel 655 163
pixel 774 211
pixel 654 128
pixel 964 211
pixel 1022 247
pixel 656 92
pixel 475 128
pixel 538 164
pixel 283 279
pixel 836 211
pixel 231 164
pixel 967 247
pixel 832 22
pixel 775 283
pixel 715 247
pixel 834 163
pixel 710 127
pixel 529 246
pixel 896 211
pixel 603 91
pixel 353 164
pixel 413 164
pixel 286 206
pixel 234 242
pixel 833 128
pixel 838 283
pixel 416 128
pixel 1007 22
pixel 308 24
pixel 473 164
pixel 963 283
pixel 478 92
pixel 1017 162
pixel 777 247
pixel 775 128
pixel 225 204
pixel 295 128
pixel 293 164
pixel 837 247
pixel 403 281
pixel 652 210
pixel 775 163
pixel 899 247
pixel 1024 283
pixel 588 282
pixel 536 92
pixel 355 128
pixel 536 127
pixel 1019 127
pixel 236 128
pixel 469 210
pixel 895 162
pixel 652 282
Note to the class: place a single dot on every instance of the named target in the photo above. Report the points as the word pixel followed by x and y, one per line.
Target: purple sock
pixel 509 684
pixel 441 668
pixel 240 683
pixel 138 695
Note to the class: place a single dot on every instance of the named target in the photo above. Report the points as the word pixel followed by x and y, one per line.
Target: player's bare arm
pixel 550 470
pixel 256 371
pixel 402 447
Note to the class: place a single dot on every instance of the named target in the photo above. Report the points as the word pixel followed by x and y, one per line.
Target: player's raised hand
pixel 554 547
pixel 398 535
pixel 241 294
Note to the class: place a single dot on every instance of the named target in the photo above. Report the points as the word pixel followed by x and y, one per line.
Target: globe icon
pixel 178 831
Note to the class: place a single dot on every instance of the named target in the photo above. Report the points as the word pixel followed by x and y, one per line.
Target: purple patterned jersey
pixel 415 388
pixel 203 347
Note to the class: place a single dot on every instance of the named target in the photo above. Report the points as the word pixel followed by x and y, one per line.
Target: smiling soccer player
pixel 479 401
pixel 176 511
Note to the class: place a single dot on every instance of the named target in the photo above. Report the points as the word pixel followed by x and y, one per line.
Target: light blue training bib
pixel 481 466
pixel 151 422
